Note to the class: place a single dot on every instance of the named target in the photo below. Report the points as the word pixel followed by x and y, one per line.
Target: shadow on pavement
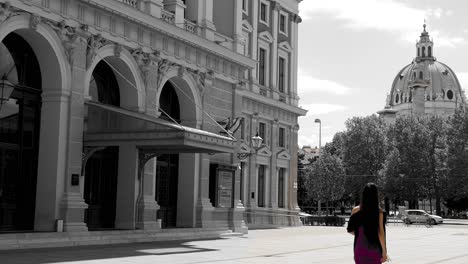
pixel 100 252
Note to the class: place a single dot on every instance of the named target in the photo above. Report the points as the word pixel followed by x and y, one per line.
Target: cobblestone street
pixel 413 244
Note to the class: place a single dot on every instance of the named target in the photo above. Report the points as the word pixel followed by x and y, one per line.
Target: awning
pixel 111 126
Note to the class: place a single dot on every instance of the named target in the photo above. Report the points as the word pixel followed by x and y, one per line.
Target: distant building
pixel 112 122
pixel 425 86
pixel 309 153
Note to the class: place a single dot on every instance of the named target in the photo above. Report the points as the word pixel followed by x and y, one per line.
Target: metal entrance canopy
pixel 111 126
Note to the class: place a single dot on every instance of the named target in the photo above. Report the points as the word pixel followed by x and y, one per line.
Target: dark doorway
pixel 19 134
pixel 101 188
pixel 102 168
pixel 167 174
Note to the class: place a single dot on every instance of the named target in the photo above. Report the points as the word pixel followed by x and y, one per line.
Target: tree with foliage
pixel 326 178
pixel 364 146
pixel 457 141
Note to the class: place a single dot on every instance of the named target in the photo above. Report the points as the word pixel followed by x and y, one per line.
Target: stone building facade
pixel 138 114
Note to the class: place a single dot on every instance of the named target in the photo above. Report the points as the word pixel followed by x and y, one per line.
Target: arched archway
pixel 127 75
pixel 45 88
pixel 188 95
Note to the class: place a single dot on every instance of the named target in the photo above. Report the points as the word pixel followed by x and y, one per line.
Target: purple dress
pixel 364 252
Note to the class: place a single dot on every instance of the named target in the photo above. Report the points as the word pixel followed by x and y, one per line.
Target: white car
pixel 421 216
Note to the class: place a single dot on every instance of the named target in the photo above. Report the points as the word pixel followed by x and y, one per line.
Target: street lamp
pixel 256 144
pixel 319 203
pixel 320 134
pixel 6 88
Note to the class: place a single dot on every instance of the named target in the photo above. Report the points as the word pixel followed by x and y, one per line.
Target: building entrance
pixel 19 134
pixel 167 174
pixel 101 188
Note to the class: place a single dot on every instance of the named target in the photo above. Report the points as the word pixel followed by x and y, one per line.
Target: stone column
pixel 147 205
pixel 237 223
pixel 72 205
pixel 274 170
pixel 237 36
pixel 128 186
pixel 274 49
pixel 201 11
pixel 178 8
pixel 292 180
pixel 153 7
pixel 419 100
pixel 295 20
pixel 187 194
pixel 253 168
pixel 204 208
pixel 254 46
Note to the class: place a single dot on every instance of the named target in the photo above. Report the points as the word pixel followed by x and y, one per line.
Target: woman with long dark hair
pixel 367 223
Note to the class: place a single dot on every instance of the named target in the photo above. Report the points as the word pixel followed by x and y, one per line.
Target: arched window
pixel 419 52
pixel 421 75
pixel 397 98
pixel 103 87
pixel 429 51
pixel 414 75
pixel 169 103
pixel 424 51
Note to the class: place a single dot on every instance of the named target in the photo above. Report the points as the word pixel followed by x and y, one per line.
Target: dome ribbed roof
pixel 440 78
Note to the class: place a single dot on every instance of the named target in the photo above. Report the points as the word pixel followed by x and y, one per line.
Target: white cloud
pixel 308 84
pixel 322 108
pixel 463 79
pixel 383 15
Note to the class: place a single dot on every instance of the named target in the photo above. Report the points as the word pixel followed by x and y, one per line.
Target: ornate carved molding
pixel 70 37
pixel 34 20
pixel 5 11
pixel 163 67
pixel 94 43
pixel 148 62
pixel 117 50
pixel 296 19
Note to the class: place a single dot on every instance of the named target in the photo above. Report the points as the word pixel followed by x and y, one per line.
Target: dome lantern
pixel 424 47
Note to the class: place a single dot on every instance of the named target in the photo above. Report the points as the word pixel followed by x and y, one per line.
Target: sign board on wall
pixel 225 186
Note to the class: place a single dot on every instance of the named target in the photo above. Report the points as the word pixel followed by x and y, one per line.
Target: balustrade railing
pixel 168 16
pixel 190 26
pixel 132 3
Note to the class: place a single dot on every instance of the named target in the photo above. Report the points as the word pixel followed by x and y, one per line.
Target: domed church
pixel 425 86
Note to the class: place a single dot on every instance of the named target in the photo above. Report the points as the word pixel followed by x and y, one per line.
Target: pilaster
pixel 147 205
pixel 72 204
pixel 254 46
pixel 178 8
pixel 204 208
pixel 201 11
pixel 292 180
pixel 274 47
pixel 274 169
pixel 153 7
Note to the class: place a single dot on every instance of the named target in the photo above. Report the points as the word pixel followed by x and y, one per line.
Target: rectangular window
pixel 281 173
pixel 282 23
pixel 262 64
pixel 281 79
pixel 263 12
pixel 261 186
pixel 261 130
pixel 281 137
pixel 244 5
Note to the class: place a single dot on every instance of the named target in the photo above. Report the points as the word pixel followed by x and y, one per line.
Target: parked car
pixel 421 216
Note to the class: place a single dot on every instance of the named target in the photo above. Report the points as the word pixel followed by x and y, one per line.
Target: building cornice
pixel 273 103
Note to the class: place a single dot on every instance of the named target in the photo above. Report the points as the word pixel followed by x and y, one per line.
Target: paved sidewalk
pixel 413 245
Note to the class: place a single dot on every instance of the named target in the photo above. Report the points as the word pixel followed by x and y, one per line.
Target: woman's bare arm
pixel 355 210
pixel 382 237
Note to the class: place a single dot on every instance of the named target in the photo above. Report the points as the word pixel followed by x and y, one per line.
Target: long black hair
pixel 370 211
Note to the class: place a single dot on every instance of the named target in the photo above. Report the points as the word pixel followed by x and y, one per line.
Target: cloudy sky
pixel 350 51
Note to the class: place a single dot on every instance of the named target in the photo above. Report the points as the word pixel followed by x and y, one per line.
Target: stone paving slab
pixel 413 244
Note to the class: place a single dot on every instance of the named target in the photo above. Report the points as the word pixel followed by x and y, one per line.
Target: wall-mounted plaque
pixel 225 180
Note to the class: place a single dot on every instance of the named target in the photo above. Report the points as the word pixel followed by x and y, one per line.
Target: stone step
pixel 66 239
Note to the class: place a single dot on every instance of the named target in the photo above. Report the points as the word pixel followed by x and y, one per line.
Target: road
pixel 413 244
